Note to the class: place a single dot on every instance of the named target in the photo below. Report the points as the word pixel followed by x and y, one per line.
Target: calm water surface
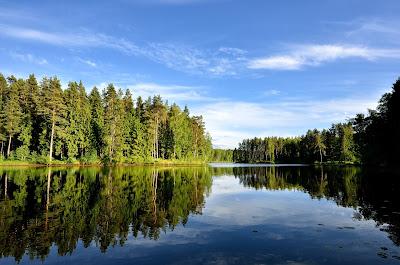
pixel 220 214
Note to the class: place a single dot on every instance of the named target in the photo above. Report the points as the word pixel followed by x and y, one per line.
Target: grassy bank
pixel 56 163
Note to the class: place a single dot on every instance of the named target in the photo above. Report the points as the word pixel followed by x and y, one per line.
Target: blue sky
pixel 251 68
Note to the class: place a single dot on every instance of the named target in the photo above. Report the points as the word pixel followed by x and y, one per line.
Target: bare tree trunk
pixel 2 147
pixel 153 151
pixel 52 140
pixel 53 125
pixel 5 186
pixel 47 197
pixel 320 154
pixel 154 184
pixel 157 138
pixel 9 145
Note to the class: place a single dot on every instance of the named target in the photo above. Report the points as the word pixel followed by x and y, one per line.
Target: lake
pixel 217 214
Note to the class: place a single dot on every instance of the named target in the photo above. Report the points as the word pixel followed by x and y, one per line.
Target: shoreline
pixel 156 163
pixel 159 163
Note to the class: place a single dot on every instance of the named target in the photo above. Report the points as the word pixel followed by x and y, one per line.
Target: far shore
pixel 157 163
pixel 61 164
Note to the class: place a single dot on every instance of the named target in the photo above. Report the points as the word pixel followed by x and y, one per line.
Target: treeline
pixel 372 139
pixel 222 155
pixel 334 144
pixel 41 122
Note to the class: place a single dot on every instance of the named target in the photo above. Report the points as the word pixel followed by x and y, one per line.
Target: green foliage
pixel 39 120
pixel 335 144
pixel 22 153
pixel 222 155
pixel 371 139
pixel 377 134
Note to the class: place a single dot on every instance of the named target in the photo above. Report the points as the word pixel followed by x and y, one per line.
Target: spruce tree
pixel 113 124
pixel 12 113
pixel 52 108
pixel 97 121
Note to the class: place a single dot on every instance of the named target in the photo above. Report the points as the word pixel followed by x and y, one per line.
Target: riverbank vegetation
pixel 42 123
pixel 372 139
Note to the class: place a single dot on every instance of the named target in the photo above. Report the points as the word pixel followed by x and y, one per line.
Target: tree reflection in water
pixel 40 207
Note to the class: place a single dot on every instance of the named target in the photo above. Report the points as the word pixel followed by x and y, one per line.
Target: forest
pixel 43 123
pixel 372 139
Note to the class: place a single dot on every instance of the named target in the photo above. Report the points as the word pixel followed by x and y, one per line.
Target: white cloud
pixel 314 55
pixel 372 27
pixel 272 92
pixel 277 63
pixel 172 93
pixel 88 62
pixel 229 122
pixel 233 51
pixel 28 58
pixel 224 61
pixel 81 39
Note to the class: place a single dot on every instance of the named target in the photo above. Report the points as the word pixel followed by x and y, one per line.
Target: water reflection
pixel 100 205
pixel 43 207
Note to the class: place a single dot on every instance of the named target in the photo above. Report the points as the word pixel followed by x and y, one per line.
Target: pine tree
pixel 97 121
pixel 32 108
pixel 72 106
pixel 128 121
pixel 52 107
pixel 3 89
pixel 12 113
pixel 138 131
pixel 84 117
pixel 113 124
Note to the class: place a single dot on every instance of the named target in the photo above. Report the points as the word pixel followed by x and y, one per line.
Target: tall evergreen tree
pixel 158 117
pixel 97 121
pixel 3 89
pixel 113 124
pixel 12 113
pixel 52 108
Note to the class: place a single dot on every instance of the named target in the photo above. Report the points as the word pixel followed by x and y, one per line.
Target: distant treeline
pixel 222 155
pixel 41 122
pixel 373 139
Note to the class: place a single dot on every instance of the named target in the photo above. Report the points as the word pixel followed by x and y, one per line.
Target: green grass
pixel 161 162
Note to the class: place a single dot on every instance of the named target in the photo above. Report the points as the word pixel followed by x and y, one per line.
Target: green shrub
pixel 22 153
pixel 90 158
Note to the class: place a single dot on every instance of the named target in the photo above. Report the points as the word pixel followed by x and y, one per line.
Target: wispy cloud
pixel 28 58
pixel 271 92
pixel 230 121
pixel 313 55
pixel 81 39
pixel 286 62
pixel 17 14
pixel 223 61
pixel 170 92
pixel 87 62
pixel 372 26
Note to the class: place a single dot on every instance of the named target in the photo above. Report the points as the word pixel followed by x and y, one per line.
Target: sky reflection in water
pixel 257 215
